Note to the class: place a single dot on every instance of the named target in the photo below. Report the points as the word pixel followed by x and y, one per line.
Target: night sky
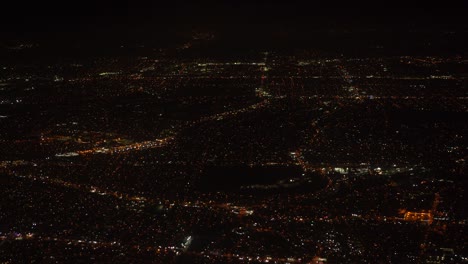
pixel 22 17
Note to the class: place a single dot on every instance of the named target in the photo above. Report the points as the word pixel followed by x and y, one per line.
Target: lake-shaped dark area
pixel 243 177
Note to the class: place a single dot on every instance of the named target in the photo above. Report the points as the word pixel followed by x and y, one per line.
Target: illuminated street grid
pixel 273 157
